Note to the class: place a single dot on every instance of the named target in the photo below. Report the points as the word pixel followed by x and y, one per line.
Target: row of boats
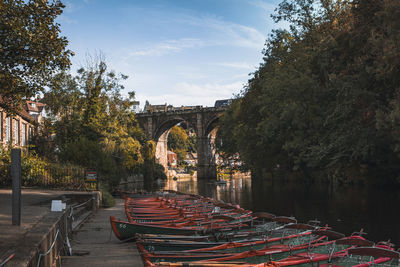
pixel 175 229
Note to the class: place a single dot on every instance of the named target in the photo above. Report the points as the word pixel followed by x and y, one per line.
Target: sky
pixel 180 52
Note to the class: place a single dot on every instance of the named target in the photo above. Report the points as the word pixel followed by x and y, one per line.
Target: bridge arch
pixel 203 120
pixel 212 123
pixel 166 126
pixel 206 143
pixel 161 139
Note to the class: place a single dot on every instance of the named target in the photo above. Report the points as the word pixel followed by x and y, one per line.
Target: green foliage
pixel 107 199
pixel 33 169
pixel 178 142
pixel 36 171
pixel 31 48
pixel 5 160
pixel 43 146
pixel 90 154
pixel 159 172
pixel 95 126
pixel 326 95
pixel 192 143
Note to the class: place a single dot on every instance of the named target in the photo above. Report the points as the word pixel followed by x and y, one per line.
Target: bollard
pixel 16 185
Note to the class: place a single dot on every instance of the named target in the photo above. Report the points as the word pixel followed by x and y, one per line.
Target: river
pixel 345 208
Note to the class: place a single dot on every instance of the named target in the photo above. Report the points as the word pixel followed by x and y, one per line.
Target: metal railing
pixel 48 175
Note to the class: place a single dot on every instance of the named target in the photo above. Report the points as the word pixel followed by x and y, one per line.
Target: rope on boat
pixel 48 251
pixel 331 253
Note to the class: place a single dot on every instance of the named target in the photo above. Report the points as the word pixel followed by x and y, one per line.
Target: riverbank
pixel 39 226
pixel 93 244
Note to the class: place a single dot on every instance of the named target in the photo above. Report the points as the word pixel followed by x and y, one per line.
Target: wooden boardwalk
pixel 97 246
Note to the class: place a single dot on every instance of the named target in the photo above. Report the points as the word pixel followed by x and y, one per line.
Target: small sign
pixel 91 176
pixel 57 205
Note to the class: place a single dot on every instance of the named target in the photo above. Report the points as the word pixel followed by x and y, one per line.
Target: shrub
pixel 107 199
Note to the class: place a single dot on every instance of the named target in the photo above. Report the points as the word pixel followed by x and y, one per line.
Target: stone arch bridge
pixel 204 121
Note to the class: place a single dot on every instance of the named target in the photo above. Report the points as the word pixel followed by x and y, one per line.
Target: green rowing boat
pixel 126 230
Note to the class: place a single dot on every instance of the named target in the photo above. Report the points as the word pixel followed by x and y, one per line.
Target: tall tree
pixel 31 48
pixel 326 96
pixel 94 124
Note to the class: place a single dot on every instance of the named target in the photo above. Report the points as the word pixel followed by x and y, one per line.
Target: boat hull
pixel 126 230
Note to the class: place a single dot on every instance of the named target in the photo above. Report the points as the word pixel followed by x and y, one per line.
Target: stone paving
pixel 98 245
pixel 35 218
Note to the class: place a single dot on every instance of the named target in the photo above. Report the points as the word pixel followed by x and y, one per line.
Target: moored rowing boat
pixel 174 229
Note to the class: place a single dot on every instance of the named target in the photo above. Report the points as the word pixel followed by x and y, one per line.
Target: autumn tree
pixel 31 48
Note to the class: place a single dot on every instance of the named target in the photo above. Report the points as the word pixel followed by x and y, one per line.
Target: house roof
pixel 25 115
pixel 22 112
pixel 222 103
pixel 34 106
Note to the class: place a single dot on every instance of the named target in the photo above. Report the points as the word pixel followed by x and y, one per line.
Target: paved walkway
pixel 35 220
pixel 102 249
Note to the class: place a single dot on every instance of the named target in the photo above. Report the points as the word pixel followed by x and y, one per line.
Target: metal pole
pixel 16 185
pixel 97 182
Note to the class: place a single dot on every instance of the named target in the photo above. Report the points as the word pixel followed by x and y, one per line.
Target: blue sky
pixel 180 52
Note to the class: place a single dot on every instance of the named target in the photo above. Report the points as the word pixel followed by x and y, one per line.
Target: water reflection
pixel 344 208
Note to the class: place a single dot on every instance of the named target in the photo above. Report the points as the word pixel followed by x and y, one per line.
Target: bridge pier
pixel 206 167
pixel 161 150
pixel 207 171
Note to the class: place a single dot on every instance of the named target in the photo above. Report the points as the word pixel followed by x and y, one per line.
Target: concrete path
pixel 36 220
pixel 102 248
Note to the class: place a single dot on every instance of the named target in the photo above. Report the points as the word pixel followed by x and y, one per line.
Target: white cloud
pixel 237 65
pixel 268 7
pixel 70 8
pixel 207 89
pixel 193 94
pixel 227 33
pixel 168 47
pixel 219 33
pixel 64 19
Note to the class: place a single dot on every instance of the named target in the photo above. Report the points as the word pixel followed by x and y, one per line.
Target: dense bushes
pixel 326 97
pixel 36 171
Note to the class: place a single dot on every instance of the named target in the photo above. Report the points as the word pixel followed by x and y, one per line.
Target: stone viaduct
pixel 204 121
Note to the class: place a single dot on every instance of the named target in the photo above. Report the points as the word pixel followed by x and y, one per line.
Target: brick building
pixel 172 159
pixel 17 130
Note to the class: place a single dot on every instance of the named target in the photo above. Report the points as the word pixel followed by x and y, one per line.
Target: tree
pixel 178 142
pixel 326 96
pixel 31 48
pixel 94 125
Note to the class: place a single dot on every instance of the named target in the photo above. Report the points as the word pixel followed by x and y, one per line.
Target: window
pixel 16 132
pixel 23 134
pixel 1 126
pixel 29 134
pixel 8 129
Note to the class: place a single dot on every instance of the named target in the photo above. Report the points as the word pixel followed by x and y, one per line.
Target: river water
pixel 345 208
